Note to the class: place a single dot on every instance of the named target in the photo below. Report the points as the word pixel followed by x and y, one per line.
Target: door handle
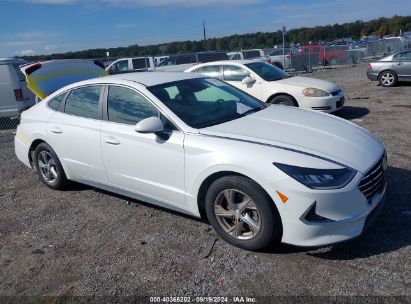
pixel 400 63
pixel 56 130
pixel 112 141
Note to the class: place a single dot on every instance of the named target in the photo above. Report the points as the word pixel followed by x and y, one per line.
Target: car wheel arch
pixel 202 190
pixel 386 70
pixel 280 94
pixel 33 147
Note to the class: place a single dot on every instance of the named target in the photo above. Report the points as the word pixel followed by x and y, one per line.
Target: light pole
pixel 284 32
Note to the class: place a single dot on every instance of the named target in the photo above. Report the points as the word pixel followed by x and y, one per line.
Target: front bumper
pixel 348 211
pixel 323 104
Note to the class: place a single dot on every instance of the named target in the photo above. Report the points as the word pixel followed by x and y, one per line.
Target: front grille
pixel 335 93
pixel 375 180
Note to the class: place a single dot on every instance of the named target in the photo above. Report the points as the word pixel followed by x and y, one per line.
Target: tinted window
pixel 267 71
pixel 140 63
pixel 251 54
pixel 55 102
pixel 234 73
pixel 403 56
pixel 127 106
pixel 119 67
pixel 84 102
pixel 211 71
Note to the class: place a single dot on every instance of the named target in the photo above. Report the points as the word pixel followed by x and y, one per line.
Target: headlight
pixel 319 178
pixel 313 92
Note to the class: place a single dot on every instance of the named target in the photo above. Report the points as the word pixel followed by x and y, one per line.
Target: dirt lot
pixel 87 242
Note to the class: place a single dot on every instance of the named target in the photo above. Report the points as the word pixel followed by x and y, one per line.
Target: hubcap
pixel 387 79
pixel 47 167
pixel 237 214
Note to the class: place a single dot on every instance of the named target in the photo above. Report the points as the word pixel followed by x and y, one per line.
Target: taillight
pixel 369 66
pixel 33 68
pixel 18 93
pixel 269 60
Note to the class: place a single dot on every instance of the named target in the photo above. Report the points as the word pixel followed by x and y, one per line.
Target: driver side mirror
pixel 248 80
pixel 152 125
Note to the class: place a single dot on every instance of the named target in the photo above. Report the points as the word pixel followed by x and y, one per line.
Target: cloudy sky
pixel 49 26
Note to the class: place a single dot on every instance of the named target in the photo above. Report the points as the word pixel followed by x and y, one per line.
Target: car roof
pixel 146 78
pixel 12 60
pixel 244 61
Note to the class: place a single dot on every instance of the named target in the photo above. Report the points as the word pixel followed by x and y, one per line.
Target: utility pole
pixel 284 32
pixel 205 38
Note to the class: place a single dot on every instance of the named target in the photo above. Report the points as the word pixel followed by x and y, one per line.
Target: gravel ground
pixel 86 242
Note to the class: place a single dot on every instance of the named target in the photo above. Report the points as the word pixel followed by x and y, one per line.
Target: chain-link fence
pixel 303 58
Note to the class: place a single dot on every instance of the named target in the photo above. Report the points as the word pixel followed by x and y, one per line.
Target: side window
pixel 127 106
pixel 140 63
pixel 119 67
pixel 403 56
pixel 56 101
pixel 84 102
pixel 210 70
pixel 234 73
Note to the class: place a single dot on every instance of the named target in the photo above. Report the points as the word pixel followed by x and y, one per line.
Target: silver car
pixel 389 70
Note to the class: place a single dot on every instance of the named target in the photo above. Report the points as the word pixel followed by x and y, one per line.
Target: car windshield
pixel 267 71
pixel 204 102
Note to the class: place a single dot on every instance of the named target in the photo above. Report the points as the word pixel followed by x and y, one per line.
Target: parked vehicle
pixel 247 54
pixel 272 85
pixel 127 65
pixel 14 95
pixel 279 60
pixel 200 146
pixel 318 55
pixel 390 70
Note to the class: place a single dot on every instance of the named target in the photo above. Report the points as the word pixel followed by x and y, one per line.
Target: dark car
pixel 389 70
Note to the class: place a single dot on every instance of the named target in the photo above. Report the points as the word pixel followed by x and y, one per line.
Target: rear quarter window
pixel 55 102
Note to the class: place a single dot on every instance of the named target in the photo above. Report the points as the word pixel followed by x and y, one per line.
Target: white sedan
pixel 272 85
pixel 200 146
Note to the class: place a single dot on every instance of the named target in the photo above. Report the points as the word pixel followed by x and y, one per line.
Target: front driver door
pixel 234 75
pixel 141 163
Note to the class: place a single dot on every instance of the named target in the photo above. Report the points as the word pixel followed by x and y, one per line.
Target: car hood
pixel 305 131
pixel 306 82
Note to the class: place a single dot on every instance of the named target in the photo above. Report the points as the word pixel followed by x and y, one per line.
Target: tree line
pixel 355 30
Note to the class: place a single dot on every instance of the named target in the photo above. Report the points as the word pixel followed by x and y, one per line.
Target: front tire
pixel 284 100
pixel 49 168
pixel 242 213
pixel 388 79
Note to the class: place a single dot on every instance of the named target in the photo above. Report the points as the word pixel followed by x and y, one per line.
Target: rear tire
pixel 242 213
pixel 283 100
pixel 49 168
pixel 388 79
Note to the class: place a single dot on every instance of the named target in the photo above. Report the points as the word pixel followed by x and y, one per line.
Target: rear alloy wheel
pixel 242 213
pixel 283 100
pixel 388 79
pixel 49 168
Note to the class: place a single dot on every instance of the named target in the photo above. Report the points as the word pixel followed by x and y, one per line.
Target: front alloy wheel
pixel 237 214
pixel 242 213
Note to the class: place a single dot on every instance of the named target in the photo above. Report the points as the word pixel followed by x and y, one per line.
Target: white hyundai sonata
pixel 272 85
pixel 200 146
